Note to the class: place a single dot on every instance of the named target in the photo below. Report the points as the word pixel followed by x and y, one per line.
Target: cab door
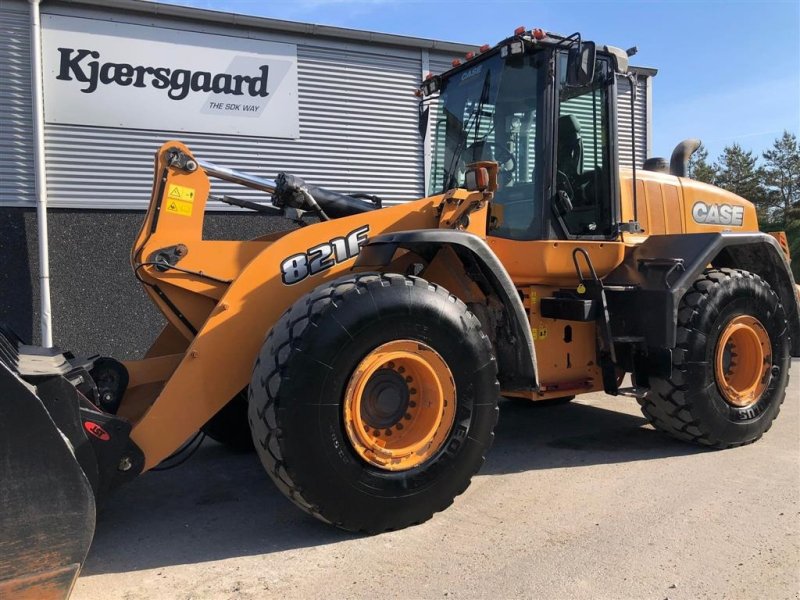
pixel 580 204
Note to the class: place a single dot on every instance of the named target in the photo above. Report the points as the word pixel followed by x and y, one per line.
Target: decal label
pixel 718 214
pixel 96 431
pixel 180 200
pixel 323 256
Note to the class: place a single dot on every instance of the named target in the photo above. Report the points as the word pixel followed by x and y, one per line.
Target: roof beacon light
pixel 470 55
pixel 538 34
pixel 519 30
pixel 485 48
pixel 456 62
pixel 428 76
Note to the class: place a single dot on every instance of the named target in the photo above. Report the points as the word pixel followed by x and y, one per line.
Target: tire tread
pixel 276 352
pixel 668 406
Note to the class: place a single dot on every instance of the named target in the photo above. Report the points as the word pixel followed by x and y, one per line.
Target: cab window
pixel 583 153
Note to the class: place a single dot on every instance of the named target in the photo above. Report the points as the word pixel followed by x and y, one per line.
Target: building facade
pixel 119 79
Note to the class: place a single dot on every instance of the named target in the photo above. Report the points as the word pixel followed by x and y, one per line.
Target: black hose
pixel 293 191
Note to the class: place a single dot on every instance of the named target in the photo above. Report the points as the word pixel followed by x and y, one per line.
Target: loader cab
pixel 551 132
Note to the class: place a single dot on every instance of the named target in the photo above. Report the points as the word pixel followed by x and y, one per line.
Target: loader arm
pixel 223 297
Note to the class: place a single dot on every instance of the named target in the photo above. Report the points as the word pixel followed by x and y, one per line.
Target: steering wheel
pixel 506 160
pixel 563 183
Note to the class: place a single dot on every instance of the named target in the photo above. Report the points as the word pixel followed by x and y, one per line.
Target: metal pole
pixel 426 141
pixel 39 170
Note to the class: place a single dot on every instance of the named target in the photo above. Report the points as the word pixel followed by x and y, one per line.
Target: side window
pixel 583 153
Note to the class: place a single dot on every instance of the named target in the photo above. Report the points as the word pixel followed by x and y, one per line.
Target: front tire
pixel 730 368
pixel 374 400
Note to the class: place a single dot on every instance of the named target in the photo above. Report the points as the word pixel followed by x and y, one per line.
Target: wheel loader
pixel 363 350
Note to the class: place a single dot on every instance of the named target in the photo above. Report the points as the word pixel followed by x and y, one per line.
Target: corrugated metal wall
pixel 16 123
pixel 624 120
pixel 358 132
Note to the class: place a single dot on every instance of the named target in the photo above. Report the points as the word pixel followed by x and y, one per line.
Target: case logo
pixel 323 256
pixel 718 214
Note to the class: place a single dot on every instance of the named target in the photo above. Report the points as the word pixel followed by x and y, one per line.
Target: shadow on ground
pixel 220 504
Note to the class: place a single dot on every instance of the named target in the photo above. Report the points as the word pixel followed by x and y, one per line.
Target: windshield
pixel 488 112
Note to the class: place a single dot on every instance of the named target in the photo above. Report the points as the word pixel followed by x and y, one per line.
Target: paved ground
pixel 576 501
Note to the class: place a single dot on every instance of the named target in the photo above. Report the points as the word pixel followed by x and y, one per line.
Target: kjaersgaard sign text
pixel 123 75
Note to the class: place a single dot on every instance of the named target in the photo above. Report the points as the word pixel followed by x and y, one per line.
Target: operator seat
pixel 570 147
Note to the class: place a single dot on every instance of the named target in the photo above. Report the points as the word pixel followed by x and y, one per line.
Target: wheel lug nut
pixel 390 364
pixel 412 391
pixel 399 426
pixel 388 432
pixel 411 403
pixel 409 379
pixel 407 416
pixel 401 370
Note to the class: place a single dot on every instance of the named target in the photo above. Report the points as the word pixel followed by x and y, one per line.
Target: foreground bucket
pixel 47 508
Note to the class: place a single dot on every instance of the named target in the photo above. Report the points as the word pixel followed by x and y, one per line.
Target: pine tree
pixel 782 178
pixel 699 167
pixel 738 172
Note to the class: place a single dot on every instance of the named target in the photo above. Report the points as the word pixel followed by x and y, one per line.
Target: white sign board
pixel 121 75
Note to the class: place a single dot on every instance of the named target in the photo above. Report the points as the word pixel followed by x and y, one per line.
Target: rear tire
pixel 698 402
pixel 230 427
pixel 302 385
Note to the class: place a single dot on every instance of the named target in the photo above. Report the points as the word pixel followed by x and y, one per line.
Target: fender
pixel 517 366
pixel 659 287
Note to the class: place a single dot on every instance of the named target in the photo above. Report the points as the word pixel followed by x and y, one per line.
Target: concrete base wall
pixel 98 306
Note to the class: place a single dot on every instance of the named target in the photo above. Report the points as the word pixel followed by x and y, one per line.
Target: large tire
pixel 697 402
pixel 230 427
pixel 304 375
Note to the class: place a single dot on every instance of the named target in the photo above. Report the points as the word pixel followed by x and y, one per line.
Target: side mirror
pixel 580 64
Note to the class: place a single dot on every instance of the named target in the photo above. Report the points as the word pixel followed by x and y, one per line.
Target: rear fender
pixel 661 293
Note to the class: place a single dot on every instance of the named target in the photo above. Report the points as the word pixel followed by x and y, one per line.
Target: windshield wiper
pixel 450 178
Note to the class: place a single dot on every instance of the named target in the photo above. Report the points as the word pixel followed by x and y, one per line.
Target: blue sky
pixel 729 71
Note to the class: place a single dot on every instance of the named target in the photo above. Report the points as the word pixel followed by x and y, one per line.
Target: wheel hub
pixel 742 360
pixel 385 400
pixel 399 405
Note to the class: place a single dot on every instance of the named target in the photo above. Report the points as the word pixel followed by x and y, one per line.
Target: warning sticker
pixel 539 334
pixel 180 200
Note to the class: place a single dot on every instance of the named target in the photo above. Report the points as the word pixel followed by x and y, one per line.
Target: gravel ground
pixel 576 501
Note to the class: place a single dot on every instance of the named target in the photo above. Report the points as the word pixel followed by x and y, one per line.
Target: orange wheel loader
pixel 363 350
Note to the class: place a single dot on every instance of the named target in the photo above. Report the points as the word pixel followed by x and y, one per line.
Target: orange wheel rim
pixel 742 361
pixel 400 405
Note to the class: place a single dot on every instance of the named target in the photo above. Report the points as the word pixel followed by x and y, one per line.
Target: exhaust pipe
pixel 679 161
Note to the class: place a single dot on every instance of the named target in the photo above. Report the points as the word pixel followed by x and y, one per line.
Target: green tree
pixel 738 172
pixel 699 167
pixel 781 174
pixel 792 229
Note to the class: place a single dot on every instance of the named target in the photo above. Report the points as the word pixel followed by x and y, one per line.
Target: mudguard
pixel 517 368
pixel 662 268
